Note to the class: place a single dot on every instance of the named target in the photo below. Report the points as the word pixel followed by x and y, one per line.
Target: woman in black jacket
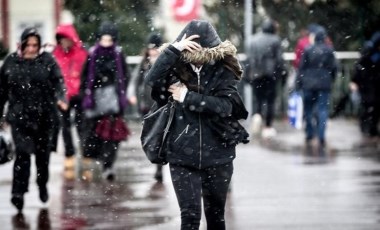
pixel 201 73
pixel 32 84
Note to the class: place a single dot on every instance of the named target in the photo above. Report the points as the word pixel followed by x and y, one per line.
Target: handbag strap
pixel 170 120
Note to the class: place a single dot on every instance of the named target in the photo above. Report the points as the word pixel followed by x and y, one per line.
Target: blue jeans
pixel 316 110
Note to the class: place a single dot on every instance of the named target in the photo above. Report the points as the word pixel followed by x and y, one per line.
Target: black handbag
pixel 156 125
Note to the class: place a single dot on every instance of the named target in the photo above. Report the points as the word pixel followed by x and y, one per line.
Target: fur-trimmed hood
pixel 207 54
pixel 224 51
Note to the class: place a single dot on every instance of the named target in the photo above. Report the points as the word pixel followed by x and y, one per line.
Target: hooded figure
pixel 200 72
pixel 71 57
pixel 32 84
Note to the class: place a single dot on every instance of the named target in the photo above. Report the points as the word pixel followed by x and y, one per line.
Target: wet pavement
pixel 274 187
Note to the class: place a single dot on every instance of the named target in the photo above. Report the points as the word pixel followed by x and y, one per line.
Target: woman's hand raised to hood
pixel 188 44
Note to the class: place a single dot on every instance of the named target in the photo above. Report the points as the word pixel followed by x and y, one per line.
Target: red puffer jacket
pixel 70 61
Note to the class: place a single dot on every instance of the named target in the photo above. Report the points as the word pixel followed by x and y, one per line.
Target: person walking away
pixel 32 84
pixel 106 67
pixel 70 56
pixel 304 41
pixel 265 67
pixel 201 73
pixel 366 80
pixel 315 78
pixel 141 93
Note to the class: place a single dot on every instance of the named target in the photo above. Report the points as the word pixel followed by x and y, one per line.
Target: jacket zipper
pixel 200 122
pixel 184 131
pixel 197 71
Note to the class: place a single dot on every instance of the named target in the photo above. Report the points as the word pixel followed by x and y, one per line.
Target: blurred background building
pixel 16 15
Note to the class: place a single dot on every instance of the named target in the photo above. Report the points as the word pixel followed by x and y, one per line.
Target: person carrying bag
pixel 156 125
pixel 200 73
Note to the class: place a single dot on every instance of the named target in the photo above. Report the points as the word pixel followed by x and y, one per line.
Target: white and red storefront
pixel 16 15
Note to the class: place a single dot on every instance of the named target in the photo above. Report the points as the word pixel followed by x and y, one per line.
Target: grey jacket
pixel 265 56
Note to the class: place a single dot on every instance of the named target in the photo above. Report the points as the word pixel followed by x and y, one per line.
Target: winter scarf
pixel 88 101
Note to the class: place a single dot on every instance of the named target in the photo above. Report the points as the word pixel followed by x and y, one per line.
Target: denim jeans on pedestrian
pixel 191 184
pixel 316 111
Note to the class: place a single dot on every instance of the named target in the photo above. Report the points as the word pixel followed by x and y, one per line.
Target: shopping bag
pixel 106 102
pixel 295 110
pixel 112 128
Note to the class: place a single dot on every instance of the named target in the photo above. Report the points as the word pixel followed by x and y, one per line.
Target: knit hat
pixel 108 28
pixel 28 32
pixel 208 36
pixel 154 40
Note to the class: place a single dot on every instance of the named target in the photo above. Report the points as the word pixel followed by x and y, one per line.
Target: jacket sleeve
pixel 220 102
pixel 126 71
pixel 56 79
pixel 83 80
pixel 159 75
pixel 4 87
pixel 301 69
pixel 161 68
pixel 281 70
pixel 333 65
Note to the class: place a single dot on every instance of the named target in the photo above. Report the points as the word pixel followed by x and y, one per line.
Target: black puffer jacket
pixel 367 72
pixel 205 129
pixel 32 88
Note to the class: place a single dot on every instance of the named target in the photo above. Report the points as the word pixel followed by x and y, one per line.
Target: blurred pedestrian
pixel 315 77
pixel 265 69
pixel 105 72
pixel 138 87
pixel 32 84
pixel 200 72
pixel 70 56
pixel 306 39
pixel 366 80
pixel 141 92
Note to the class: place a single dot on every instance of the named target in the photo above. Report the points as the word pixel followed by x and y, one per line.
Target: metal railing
pixel 340 89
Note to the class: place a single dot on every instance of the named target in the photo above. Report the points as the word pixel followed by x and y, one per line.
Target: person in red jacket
pixel 71 57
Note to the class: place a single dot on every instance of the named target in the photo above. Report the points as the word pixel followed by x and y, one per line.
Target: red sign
pixel 186 10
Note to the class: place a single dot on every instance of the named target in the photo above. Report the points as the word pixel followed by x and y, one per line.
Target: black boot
pixel 18 201
pixel 44 196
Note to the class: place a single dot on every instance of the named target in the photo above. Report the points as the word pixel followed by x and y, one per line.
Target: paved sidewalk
pixel 342 135
pixel 272 189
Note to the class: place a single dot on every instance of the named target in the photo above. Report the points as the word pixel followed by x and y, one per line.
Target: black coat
pixel 32 88
pixel 207 120
pixel 367 77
